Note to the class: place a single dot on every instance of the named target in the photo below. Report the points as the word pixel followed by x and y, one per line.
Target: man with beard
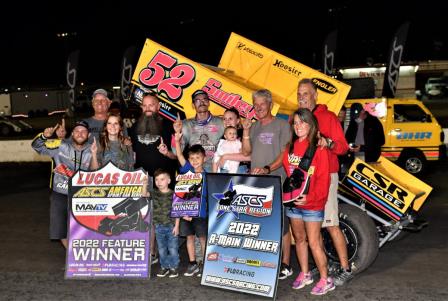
pixel 68 157
pixel 203 129
pixel 151 138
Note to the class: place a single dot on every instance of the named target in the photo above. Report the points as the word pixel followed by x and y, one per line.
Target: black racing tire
pixel 360 234
pixel 413 161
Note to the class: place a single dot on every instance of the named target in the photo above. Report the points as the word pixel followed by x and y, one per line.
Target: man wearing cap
pixel 68 157
pixel 365 134
pixel 100 104
pixel 203 129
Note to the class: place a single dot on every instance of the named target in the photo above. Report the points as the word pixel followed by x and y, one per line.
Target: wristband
pixel 246 137
pixel 330 143
pixel 268 168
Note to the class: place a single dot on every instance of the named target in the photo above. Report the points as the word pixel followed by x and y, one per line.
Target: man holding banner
pixel 265 141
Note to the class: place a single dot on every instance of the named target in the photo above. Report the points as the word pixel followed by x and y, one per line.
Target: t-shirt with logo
pixel 267 142
pixel 147 155
pixel 206 134
pixel 319 181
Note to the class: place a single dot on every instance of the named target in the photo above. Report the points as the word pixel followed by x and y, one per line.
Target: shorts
pixel 58 215
pixel 197 226
pixel 331 217
pixel 305 215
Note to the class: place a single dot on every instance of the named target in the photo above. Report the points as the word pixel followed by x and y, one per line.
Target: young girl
pixel 230 145
pixel 231 118
pixel 307 215
pixel 111 146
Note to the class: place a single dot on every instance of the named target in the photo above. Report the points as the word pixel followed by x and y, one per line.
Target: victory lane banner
pixel 244 233
pixel 109 225
pixel 187 195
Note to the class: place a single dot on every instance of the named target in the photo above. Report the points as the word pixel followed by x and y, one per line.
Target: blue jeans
pixel 168 246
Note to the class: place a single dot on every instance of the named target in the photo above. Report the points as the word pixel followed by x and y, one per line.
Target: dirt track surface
pixel 31 266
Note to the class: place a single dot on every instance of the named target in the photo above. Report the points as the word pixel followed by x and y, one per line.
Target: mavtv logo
pixel 91 207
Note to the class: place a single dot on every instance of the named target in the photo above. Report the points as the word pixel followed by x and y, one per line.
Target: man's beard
pixel 149 125
pixel 80 142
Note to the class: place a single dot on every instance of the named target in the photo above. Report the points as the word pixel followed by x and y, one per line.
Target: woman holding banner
pixel 304 195
pixel 111 146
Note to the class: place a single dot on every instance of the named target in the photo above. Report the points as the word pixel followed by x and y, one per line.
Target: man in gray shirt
pixel 100 104
pixel 265 141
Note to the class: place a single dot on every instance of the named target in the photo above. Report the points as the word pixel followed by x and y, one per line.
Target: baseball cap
pixel 82 123
pixel 355 110
pixel 198 92
pixel 100 91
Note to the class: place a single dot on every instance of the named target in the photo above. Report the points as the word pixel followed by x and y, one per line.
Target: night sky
pixel 33 55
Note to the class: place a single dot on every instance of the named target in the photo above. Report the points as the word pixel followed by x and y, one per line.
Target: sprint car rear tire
pixel 360 234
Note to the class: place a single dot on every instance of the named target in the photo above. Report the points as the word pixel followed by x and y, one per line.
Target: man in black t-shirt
pixel 148 134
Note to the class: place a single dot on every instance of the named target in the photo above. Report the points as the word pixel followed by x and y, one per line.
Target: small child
pixel 166 228
pixel 230 145
pixel 189 226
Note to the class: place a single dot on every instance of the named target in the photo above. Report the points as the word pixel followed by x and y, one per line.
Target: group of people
pixel 310 146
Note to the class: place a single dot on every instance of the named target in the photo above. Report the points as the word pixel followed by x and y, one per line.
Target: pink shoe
pixel 323 286
pixel 302 280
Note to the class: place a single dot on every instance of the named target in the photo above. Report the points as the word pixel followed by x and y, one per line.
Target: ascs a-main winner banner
pixel 244 233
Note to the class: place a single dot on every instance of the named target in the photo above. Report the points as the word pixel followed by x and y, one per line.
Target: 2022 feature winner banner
pixel 187 197
pixel 109 225
pixel 244 233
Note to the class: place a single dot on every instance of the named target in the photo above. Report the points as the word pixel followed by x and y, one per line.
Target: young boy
pixel 166 228
pixel 189 226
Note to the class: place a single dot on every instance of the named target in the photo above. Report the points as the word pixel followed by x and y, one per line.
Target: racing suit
pixel 66 160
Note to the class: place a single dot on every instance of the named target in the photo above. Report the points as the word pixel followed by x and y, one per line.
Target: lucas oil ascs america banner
pixel 244 233
pixel 109 225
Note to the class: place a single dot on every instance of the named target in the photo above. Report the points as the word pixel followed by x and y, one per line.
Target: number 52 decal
pixel 164 73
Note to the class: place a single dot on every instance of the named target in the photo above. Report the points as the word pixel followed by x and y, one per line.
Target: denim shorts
pixel 197 226
pixel 306 215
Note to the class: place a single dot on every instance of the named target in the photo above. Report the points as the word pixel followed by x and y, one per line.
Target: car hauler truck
pixel 377 201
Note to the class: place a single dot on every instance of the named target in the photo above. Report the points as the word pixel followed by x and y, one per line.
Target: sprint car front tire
pixel 360 235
